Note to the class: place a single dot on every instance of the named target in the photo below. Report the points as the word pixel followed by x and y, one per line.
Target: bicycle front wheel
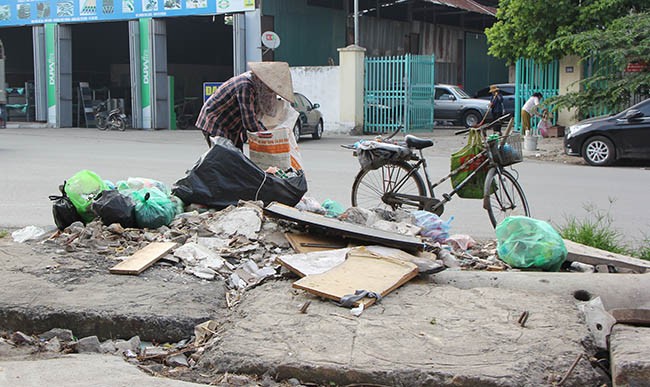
pixel 503 196
pixel 375 188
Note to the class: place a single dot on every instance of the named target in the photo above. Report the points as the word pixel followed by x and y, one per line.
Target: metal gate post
pixel 40 72
pixel 398 92
pixel 531 77
pixel 408 90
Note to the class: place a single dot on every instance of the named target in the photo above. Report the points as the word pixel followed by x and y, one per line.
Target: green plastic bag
pixel 82 188
pixel 332 209
pixel 524 242
pixel 474 187
pixel 153 208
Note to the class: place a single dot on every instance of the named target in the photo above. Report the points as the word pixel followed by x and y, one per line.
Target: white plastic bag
pixel 27 233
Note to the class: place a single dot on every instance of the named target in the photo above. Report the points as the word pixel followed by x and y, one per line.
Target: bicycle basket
pixel 374 155
pixel 509 151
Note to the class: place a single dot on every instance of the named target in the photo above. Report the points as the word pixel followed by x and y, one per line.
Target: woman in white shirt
pixel 530 109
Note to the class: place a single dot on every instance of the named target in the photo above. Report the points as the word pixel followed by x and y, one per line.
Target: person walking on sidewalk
pixel 236 106
pixel 530 109
pixel 496 107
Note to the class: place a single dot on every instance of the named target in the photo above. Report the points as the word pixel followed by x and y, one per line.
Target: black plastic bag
pixel 63 211
pixel 224 175
pixel 112 206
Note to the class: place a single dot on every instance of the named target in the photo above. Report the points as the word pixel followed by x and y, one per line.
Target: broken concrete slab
pixel 615 290
pixel 599 322
pixel 41 292
pixel 53 345
pixel 19 338
pixel 88 344
pixel 179 360
pixel 81 370
pixel 64 335
pixel 418 336
pixel 245 220
pixel 133 344
pixel 590 255
pixel 630 355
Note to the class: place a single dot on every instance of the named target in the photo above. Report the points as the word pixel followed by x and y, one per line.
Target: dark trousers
pixel 496 127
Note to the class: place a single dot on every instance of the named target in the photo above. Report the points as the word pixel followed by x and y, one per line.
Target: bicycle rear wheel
pixel 503 196
pixel 374 188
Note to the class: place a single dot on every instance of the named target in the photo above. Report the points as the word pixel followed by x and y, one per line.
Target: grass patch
pixel 597 230
pixel 3 233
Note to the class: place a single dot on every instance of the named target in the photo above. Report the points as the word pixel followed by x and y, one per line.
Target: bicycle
pixel 397 183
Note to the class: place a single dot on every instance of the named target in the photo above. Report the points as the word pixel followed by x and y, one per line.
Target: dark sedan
pixel 603 140
pixel 310 119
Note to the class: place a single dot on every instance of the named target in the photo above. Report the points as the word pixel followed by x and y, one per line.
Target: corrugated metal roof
pixel 467 5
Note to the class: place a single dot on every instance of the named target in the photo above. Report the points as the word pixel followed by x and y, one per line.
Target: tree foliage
pixel 625 41
pixel 526 28
pixel 609 33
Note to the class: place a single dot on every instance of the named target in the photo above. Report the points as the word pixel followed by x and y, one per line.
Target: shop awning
pixel 467 5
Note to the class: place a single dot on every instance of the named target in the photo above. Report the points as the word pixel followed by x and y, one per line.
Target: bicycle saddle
pixel 416 142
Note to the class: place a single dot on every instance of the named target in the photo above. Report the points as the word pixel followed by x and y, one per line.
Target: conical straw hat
pixel 276 76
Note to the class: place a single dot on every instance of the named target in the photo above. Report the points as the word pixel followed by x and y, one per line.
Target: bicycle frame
pixel 418 200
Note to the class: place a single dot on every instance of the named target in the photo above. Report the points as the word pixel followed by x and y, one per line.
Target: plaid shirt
pixel 230 110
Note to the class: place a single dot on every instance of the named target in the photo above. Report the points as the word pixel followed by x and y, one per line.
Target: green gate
pixel 398 91
pixel 592 66
pixel 531 77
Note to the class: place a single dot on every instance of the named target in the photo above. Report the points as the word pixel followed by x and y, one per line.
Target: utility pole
pixel 3 92
pixel 356 22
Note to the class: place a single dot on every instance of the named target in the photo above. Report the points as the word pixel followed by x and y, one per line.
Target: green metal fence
pixel 398 91
pixel 531 77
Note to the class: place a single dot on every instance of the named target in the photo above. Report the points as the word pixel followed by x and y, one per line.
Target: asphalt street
pixel 34 162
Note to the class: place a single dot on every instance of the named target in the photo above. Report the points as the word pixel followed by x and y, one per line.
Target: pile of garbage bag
pixel 135 202
pixel 221 177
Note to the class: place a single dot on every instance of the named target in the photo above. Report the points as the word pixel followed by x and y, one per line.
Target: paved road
pixel 35 161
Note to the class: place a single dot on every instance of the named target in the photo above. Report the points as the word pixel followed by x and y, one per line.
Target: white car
pixel 451 103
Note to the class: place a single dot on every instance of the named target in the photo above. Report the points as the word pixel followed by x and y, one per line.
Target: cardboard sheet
pixel 362 270
pixel 308 243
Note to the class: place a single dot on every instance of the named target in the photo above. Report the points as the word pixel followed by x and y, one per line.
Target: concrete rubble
pixel 442 329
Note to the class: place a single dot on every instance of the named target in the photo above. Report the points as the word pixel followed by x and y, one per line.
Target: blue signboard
pixel 209 88
pixel 24 12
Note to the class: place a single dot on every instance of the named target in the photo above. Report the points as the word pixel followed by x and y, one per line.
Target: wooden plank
pixel 143 258
pixel 362 270
pixel 315 262
pixel 593 256
pixel 344 229
pixel 308 243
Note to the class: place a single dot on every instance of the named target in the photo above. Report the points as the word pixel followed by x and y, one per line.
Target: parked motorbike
pixel 113 119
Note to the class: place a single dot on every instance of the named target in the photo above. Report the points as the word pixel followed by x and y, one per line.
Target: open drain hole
pixel 582 295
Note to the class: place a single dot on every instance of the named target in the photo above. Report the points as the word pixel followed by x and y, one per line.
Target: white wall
pixel 321 85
